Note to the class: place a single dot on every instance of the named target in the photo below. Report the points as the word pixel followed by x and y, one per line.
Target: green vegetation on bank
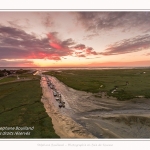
pixel 25 76
pixel 21 106
pixel 8 79
pixel 123 84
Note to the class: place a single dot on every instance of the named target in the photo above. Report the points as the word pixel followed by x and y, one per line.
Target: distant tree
pixel 4 70
pixel 21 71
pixel 8 72
pixel 1 74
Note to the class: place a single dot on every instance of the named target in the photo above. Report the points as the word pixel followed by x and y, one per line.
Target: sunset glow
pixel 74 39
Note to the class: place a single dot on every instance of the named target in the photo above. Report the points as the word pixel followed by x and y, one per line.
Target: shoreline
pixel 92 117
pixel 63 125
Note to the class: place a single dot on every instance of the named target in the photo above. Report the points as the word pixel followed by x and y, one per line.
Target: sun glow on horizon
pixel 74 39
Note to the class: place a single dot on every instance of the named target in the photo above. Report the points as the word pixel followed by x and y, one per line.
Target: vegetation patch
pixel 21 106
pixel 123 84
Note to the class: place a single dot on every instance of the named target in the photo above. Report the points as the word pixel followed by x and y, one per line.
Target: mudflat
pixel 87 116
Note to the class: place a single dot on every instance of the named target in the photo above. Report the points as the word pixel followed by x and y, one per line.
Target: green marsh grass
pixel 20 105
pixel 96 81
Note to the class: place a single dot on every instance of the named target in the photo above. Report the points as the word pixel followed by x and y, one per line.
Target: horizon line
pixel 84 67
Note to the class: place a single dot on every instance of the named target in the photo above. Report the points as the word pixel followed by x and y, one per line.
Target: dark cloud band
pixel 17 44
pixel 128 45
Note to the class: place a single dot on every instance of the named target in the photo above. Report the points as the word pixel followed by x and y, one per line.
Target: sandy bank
pixel 87 116
pixel 64 126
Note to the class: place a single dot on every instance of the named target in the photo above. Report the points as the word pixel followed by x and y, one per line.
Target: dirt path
pixel 86 116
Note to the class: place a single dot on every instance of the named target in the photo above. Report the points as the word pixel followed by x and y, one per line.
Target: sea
pixel 69 68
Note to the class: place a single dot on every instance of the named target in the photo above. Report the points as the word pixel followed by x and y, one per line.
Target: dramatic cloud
pixel 128 45
pixel 17 44
pixel 68 46
pixel 58 44
pixel 80 54
pixel 90 51
pixel 82 51
pixel 56 38
pixel 10 36
pixel 80 47
pixel 94 21
pixel 68 42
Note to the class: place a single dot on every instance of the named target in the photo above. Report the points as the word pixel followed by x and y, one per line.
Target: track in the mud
pixel 103 117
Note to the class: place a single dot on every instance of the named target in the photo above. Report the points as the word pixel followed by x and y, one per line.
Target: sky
pixel 74 38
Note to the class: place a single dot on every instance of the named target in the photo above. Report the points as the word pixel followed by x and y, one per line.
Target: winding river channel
pixel 87 116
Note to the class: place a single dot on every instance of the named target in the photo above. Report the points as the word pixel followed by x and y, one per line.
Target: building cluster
pixel 5 72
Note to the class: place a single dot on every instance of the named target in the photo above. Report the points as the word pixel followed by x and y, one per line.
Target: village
pixel 5 73
pixel 12 75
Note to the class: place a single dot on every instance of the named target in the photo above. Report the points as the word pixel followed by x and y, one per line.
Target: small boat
pixel 54 93
pixel 62 105
pixel 57 98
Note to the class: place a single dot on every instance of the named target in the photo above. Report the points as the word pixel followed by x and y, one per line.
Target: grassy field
pixel 20 106
pixel 21 76
pixel 130 83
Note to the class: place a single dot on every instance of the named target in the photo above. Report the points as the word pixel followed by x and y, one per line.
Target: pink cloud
pixel 80 47
pixel 90 51
pixel 17 44
pixel 56 45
